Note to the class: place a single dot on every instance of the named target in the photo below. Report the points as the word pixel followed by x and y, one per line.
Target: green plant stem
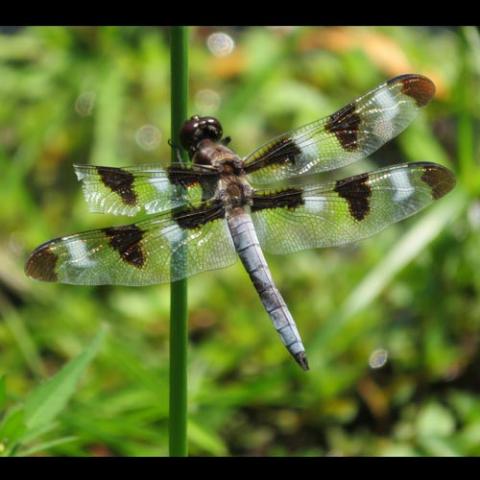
pixel 178 295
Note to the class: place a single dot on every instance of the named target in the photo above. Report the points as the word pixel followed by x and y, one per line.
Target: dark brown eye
pixel 199 128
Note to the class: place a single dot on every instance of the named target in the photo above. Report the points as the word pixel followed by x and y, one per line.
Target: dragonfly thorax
pixel 234 191
pixel 217 155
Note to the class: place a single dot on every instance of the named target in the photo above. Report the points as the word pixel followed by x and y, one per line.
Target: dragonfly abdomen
pixel 248 249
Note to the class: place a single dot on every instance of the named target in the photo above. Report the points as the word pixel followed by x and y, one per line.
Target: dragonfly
pixel 205 214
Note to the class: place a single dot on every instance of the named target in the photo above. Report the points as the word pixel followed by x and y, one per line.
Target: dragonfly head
pixel 197 129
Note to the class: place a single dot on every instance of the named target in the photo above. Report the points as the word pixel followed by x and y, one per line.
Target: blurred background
pixel 391 324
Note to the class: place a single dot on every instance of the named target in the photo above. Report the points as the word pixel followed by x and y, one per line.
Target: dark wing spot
pixel 120 182
pixel 42 263
pixel 289 198
pixel 345 125
pixel 184 177
pixel 126 240
pixel 439 179
pixel 283 151
pixel 356 192
pixel 190 218
pixel 420 88
pixel 280 152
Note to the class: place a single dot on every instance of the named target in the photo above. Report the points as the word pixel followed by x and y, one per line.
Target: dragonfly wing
pixel 141 253
pixel 348 135
pixel 346 210
pixel 142 189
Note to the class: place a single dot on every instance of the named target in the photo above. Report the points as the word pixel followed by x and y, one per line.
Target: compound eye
pixel 189 132
pixel 199 128
pixel 211 128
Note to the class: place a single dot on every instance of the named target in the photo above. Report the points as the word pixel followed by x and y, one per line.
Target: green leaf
pixel 205 440
pixel 32 434
pixel 398 450
pixel 12 427
pixel 48 400
pixel 42 447
pixel 439 447
pixel 434 420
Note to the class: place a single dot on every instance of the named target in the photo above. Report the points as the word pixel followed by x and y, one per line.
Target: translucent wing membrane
pixel 353 132
pixel 138 254
pixel 347 210
pixel 144 188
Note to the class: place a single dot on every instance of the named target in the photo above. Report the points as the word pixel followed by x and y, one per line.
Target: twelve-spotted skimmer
pixel 221 207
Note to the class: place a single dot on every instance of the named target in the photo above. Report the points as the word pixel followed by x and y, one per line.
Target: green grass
pixel 412 290
pixel 27 423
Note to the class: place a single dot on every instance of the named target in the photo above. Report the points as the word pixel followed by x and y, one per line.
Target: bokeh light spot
pixel 378 358
pixel 220 44
pixel 473 215
pixel 148 137
pixel 85 103
pixel 207 101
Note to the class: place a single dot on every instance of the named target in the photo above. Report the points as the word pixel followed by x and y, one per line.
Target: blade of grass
pixel 15 323
pixel 43 447
pixel 413 242
pixel 12 429
pixel 465 143
pixel 178 295
pixel 3 393
pixel 49 399
pixel 108 117
pixel 206 440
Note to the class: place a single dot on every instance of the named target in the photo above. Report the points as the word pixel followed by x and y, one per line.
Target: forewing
pixel 352 133
pixel 145 188
pixel 139 254
pixel 347 210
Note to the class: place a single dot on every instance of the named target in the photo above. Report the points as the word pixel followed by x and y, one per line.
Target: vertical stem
pixel 178 292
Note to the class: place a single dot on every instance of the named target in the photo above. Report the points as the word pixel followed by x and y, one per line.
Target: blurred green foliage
pixel 409 295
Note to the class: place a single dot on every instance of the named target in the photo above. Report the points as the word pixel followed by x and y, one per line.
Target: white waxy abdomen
pixel 248 249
